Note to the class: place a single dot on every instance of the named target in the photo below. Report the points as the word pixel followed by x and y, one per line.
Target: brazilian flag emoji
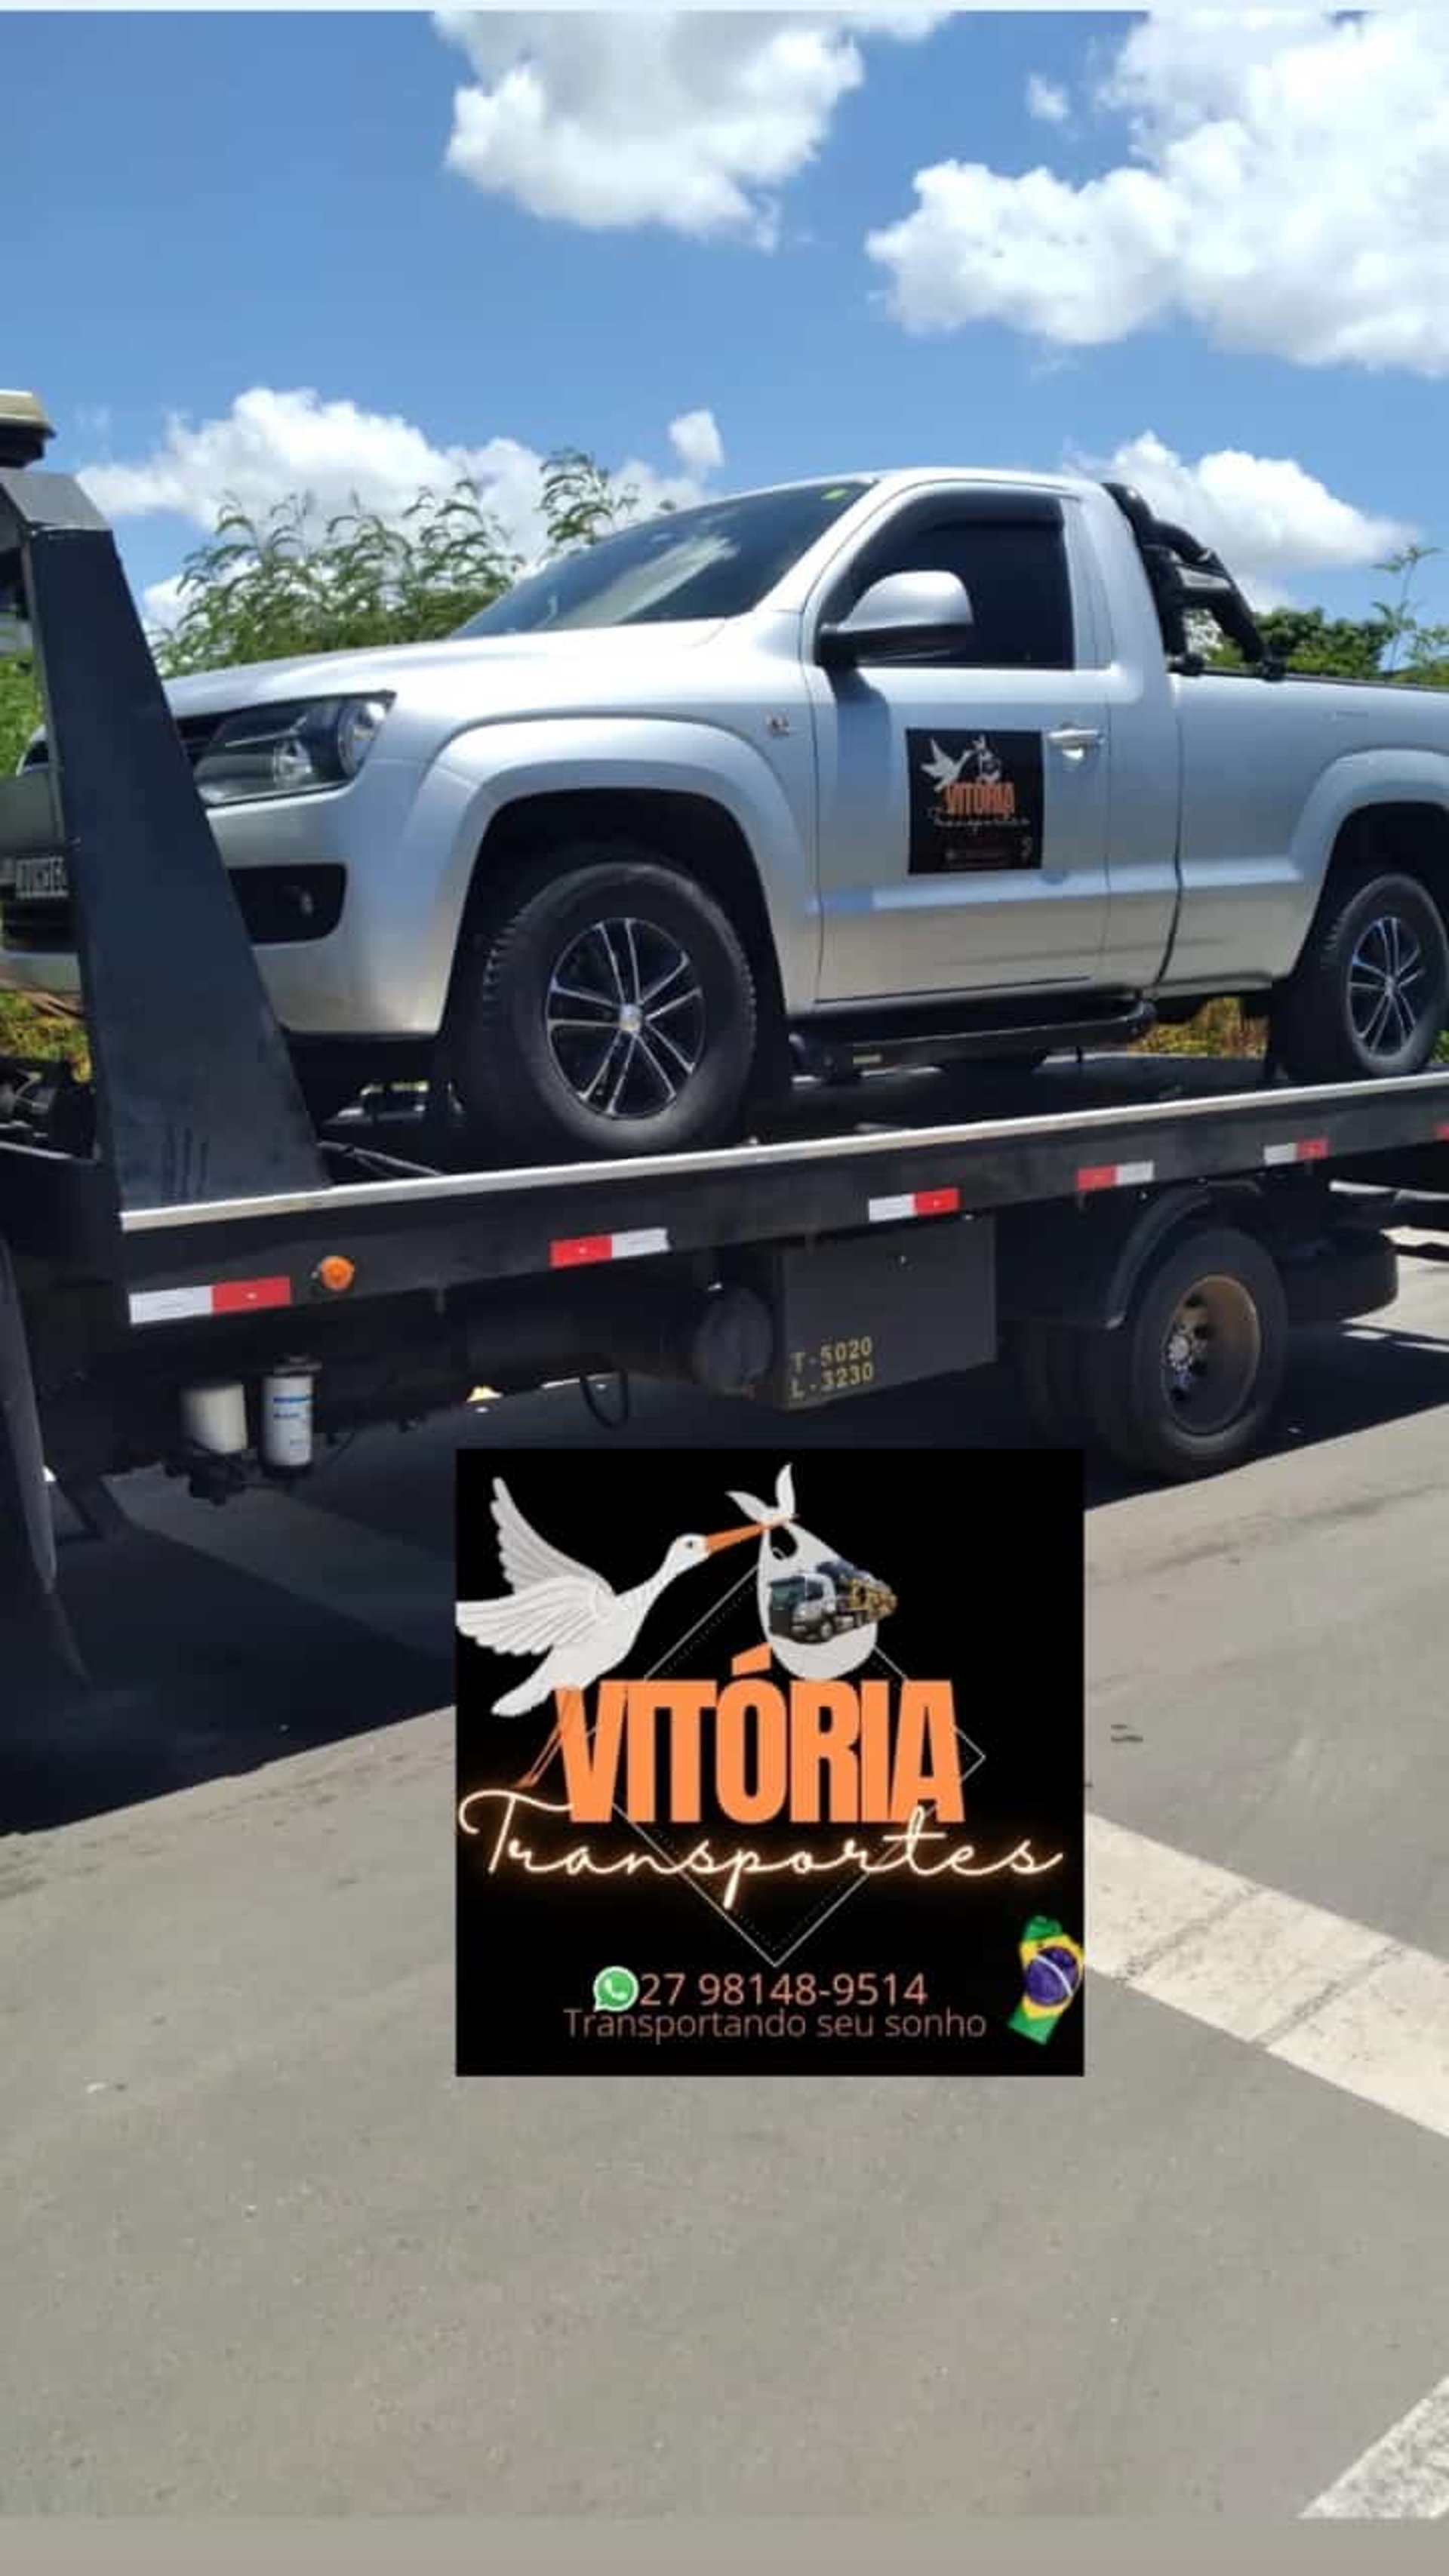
pixel 1053 1975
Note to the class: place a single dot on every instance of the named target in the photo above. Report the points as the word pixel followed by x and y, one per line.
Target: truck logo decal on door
pixel 976 801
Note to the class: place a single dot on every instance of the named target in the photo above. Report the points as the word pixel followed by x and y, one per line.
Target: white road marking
pixel 1347 2004
pixel 1405 2477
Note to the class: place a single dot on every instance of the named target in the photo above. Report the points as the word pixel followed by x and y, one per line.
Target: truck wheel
pixel 609 1010
pixel 1185 1384
pixel 1370 994
pixel 1049 1372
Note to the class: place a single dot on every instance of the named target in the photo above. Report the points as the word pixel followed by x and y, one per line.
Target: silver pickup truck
pixel 898 765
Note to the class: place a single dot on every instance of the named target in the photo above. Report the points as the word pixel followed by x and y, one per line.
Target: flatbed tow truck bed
pixel 901 1149
pixel 191 1273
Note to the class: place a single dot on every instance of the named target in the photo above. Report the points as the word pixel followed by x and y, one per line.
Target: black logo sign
pixel 754 1776
pixel 977 801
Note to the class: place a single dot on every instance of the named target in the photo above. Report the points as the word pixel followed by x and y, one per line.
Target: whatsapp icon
pixel 615 1989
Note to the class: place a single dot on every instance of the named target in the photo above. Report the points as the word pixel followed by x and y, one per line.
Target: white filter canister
pixel 214 1417
pixel 287 1416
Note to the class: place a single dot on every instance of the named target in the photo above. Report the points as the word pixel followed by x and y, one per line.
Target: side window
pixel 1016 573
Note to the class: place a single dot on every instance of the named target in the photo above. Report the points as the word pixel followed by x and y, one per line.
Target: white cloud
pixel 1267 516
pixel 1047 101
pixel 1287 191
pixel 696 442
pixel 161 604
pixel 272 445
pixel 616 118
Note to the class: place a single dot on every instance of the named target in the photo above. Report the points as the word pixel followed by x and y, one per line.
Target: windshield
pixel 717 561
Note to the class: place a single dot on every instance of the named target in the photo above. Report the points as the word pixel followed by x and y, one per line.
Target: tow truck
pixel 832 1598
pixel 195 1274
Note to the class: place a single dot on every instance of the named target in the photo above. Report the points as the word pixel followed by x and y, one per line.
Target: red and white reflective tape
pixel 1304 1149
pixel 1114 1176
pixel 572 1251
pixel 219 1297
pixel 914 1203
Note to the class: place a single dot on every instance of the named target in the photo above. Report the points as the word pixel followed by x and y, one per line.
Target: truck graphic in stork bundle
pixel 833 1598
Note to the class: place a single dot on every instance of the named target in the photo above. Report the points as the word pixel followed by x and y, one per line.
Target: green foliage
pixel 1406 636
pixel 1392 644
pixel 19 712
pixel 31 1024
pixel 262 590
pixel 582 502
pixel 1219 1028
pixel 1346 647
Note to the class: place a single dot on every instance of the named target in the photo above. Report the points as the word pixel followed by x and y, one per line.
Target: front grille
pixel 195 732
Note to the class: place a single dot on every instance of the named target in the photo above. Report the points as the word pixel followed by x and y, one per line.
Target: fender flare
pixel 1355 783
pixel 1095 1262
pixel 504 764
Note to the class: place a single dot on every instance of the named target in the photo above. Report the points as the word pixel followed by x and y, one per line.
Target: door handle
pixel 1075 738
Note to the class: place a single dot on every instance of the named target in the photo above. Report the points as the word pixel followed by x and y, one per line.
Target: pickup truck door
pixel 963 805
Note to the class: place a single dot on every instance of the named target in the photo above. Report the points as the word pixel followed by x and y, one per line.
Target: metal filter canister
pixel 287 1416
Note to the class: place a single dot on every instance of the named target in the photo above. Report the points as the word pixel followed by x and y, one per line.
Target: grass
pixel 32 1025
pixel 1219 1028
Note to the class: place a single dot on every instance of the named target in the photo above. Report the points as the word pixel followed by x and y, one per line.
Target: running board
pixel 946 1039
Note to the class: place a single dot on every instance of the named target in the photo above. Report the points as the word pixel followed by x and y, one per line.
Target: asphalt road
pixel 260 2251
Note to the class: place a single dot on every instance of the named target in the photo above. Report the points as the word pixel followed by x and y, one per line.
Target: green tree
pixel 1391 644
pixel 259 590
pixel 1306 640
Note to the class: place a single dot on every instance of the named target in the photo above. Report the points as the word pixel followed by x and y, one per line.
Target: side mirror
pixel 905 614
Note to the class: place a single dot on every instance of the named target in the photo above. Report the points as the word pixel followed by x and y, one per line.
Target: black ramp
pixel 196 1097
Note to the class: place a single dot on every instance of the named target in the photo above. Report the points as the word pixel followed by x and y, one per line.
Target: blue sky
pixel 1241 252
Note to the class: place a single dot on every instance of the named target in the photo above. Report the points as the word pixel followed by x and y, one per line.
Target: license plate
pixel 41 881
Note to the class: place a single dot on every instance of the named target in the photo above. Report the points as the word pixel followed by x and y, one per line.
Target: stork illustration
pixel 559 1609
pixel 944 772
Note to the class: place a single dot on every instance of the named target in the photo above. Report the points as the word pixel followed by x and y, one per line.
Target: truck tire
pixel 1185 1384
pixel 1049 1372
pixel 607 1010
pixel 1370 994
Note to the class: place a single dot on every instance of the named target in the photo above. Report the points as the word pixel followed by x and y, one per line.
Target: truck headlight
pixel 292 750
